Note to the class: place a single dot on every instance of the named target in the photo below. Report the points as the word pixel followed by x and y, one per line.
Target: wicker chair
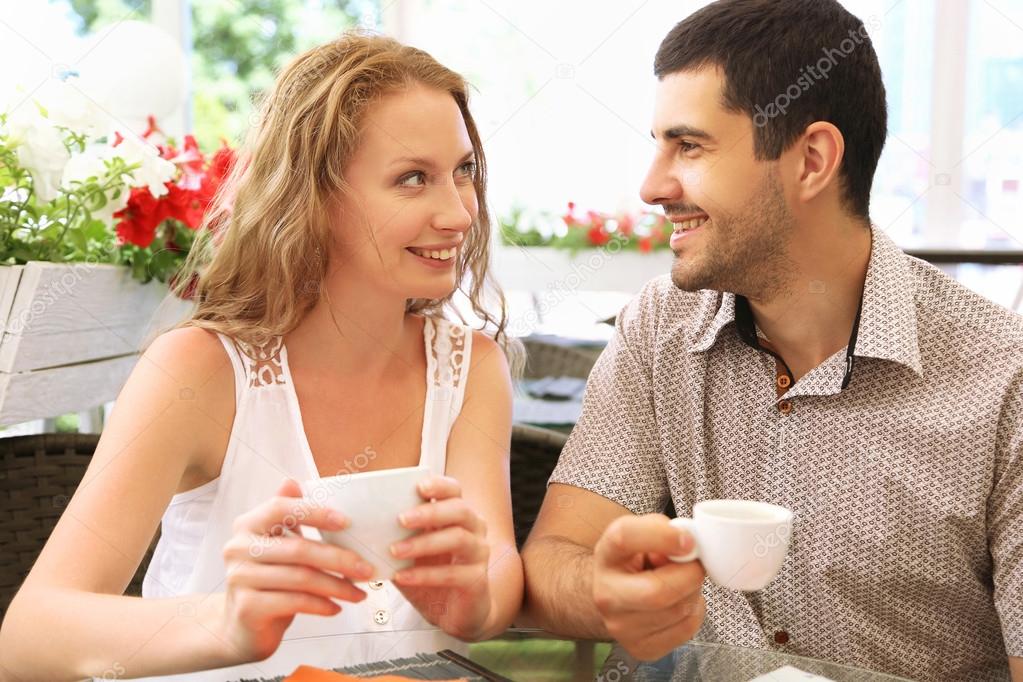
pixel 550 360
pixel 38 477
pixel 534 453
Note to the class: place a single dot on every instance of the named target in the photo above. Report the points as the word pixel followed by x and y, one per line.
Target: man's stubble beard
pixel 746 253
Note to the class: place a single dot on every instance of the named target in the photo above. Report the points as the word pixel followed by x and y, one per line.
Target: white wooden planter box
pixel 72 333
pixel 536 268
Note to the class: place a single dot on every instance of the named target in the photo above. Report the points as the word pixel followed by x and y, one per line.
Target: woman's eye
pixel 468 168
pixel 417 179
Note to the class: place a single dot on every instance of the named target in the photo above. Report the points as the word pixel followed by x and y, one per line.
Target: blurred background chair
pixel 39 475
pixel 534 453
pixel 545 359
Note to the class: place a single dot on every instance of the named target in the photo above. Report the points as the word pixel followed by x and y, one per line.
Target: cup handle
pixel 690 526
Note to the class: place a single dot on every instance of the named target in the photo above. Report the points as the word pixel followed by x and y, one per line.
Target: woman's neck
pixel 353 331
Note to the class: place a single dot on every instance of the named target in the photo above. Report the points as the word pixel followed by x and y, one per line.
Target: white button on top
pixel 381 617
pixel 376 584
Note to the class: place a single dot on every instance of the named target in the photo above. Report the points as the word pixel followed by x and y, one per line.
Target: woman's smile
pixel 435 257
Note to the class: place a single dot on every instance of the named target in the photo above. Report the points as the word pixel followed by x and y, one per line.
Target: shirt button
pixel 785 406
pixel 381 617
pixel 376 584
pixel 781 637
pixel 784 381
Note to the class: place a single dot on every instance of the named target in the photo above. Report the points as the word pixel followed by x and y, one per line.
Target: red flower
pixel 569 217
pixel 219 168
pixel 151 127
pixel 625 225
pixel 140 218
pixel 187 200
pixel 190 199
pixel 598 236
pixel 646 244
pixel 192 161
pixel 223 161
pixel 185 205
pixel 193 282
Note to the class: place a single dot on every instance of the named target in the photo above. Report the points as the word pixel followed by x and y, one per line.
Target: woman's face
pixel 412 197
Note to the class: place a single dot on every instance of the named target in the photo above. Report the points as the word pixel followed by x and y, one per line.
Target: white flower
pixel 35 131
pixel 40 147
pixel 66 105
pixel 12 195
pixel 92 164
pixel 153 171
pixel 84 165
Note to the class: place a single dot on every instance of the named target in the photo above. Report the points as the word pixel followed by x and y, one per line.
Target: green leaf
pixel 96 230
pixel 140 270
pixel 78 239
pixel 23 254
pixel 96 199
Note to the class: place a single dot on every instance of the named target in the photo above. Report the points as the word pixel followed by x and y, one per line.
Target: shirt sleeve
pixel 613 450
pixel 1005 522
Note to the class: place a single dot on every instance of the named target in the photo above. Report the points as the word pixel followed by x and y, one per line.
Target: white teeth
pixel 688 224
pixel 443 254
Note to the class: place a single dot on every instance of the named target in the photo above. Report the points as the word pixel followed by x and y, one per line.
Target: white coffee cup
pixel 741 543
pixel 372 501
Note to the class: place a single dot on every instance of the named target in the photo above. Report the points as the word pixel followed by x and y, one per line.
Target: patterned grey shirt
pixel 906 553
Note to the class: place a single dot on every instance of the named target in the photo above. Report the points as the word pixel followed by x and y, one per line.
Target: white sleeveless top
pixel 267 444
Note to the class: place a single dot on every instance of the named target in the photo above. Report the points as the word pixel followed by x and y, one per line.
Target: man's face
pixel 732 224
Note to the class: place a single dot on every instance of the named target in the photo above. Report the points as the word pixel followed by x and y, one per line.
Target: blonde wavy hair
pixel 257 264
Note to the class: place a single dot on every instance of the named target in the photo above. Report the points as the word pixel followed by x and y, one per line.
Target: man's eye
pixel 417 179
pixel 688 146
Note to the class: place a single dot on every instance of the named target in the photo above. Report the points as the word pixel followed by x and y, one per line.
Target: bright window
pixel 565 94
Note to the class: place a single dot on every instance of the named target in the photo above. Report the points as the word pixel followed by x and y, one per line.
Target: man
pixel 794 356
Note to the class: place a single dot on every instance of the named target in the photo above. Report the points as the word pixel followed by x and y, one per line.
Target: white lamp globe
pixel 134 70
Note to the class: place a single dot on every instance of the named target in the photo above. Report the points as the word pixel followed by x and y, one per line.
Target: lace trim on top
pixel 449 346
pixel 263 365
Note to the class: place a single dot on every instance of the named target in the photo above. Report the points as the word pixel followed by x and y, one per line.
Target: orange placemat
pixel 305 673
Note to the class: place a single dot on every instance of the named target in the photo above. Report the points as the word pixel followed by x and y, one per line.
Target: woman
pixel 339 242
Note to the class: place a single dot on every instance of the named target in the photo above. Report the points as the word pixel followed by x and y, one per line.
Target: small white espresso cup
pixel 742 544
pixel 372 502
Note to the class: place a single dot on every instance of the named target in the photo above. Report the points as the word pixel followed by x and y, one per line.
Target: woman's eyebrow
pixel 429 163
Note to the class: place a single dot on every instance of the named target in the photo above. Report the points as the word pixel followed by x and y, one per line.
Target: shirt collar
pixel 725 315
pixel 887 328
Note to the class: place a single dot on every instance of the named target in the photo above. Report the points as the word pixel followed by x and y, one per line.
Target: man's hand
pixel 649 604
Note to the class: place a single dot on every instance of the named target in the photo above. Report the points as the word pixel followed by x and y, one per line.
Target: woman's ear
pixel 820 150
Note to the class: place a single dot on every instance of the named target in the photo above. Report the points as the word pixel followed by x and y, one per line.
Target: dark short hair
pixel 787 64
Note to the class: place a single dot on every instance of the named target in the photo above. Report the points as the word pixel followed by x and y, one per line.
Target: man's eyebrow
pixel 428 163
pixel 678 131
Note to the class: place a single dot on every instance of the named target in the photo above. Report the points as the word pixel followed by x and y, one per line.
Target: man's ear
pixel 820 151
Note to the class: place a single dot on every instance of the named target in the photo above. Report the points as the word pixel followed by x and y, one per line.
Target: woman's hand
pixel 273 573
pixel 449 583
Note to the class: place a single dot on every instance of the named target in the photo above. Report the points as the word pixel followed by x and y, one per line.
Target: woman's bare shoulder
pixel 488 366
pixel 189 355
pixel 191 367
